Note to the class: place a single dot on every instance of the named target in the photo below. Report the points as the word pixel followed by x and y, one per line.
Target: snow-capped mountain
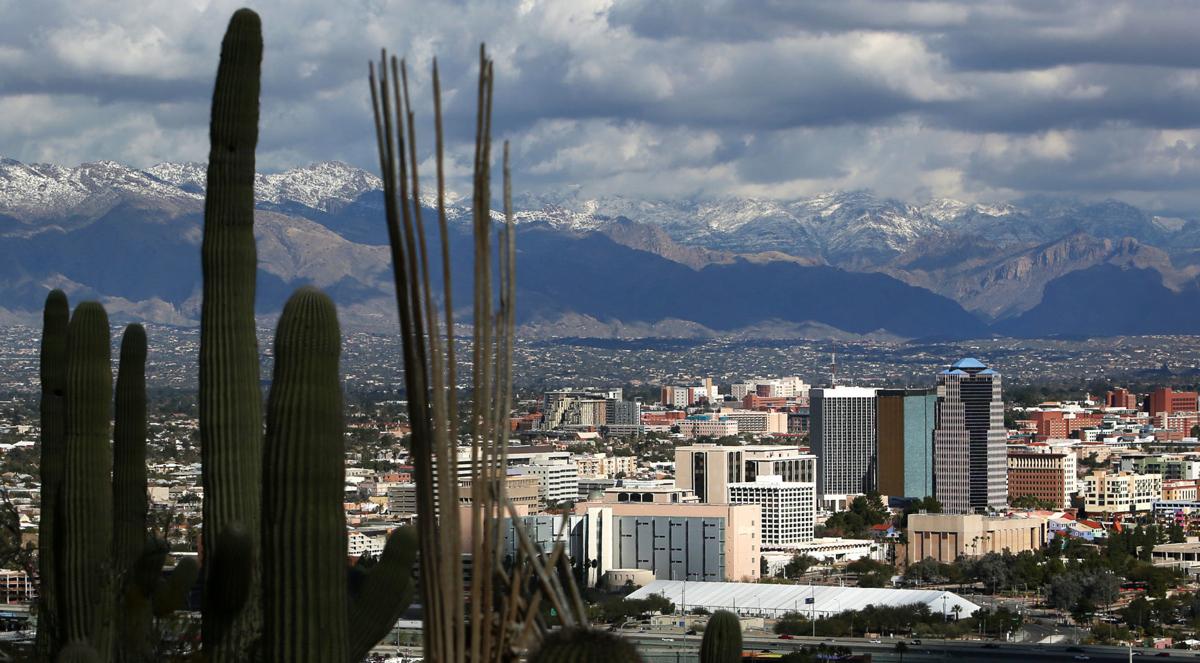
pixel 994 260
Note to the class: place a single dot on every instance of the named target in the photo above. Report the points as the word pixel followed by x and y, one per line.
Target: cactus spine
pixel 87 490
pixel 585 645
pixel 230 400
pixel 722 639
pixel 53 368
pixel 304 526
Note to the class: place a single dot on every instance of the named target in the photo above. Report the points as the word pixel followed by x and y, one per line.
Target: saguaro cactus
pixel 722 639
pixel 584 645
pixel 230 401
pixel 53 371
pixel 383 594
pixel 129 451
pixel 87 492
pixel 304 527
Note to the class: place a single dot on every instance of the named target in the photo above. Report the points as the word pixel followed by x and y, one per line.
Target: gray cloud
pixel 977 100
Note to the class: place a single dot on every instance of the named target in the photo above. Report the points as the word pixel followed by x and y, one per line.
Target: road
pixel 664 648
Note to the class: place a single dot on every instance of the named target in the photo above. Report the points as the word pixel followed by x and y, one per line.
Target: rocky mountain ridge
pixel 320 223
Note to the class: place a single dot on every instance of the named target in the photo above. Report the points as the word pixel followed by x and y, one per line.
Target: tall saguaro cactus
pixel 304 526
pixel 129 451
pixel 230 401
pixel 53 369
pixel 87 492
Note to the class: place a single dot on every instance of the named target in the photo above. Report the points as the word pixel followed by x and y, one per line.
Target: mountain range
pixel 842 264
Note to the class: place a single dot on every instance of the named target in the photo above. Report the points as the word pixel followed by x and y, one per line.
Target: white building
pixel 557 481
pixel 788 507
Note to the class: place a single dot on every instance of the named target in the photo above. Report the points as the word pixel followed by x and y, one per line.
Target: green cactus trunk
pixel 53 368
pixel 230 400
pixel 78 652
pixel 304 526
pixel 129 451
pixel 85 595
pixel 131 555
pixel 722 639
pixel 585 645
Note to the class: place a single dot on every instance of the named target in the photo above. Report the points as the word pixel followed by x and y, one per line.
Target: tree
pixel 901 647
pixel 992 570
pixel 1031 502
pixel 799 565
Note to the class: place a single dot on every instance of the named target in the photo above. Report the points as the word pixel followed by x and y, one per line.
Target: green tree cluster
pixel 865 511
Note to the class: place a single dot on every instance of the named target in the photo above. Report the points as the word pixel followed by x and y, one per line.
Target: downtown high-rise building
pixel 904 425
pixel 970 460
pixel 842 436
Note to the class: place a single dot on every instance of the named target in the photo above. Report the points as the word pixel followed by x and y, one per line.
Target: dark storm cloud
pixel 978 100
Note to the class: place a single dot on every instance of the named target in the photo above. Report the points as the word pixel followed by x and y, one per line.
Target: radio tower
pixel 833 370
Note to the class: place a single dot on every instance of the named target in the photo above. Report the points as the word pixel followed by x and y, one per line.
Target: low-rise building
pixel 1121 492
pixel 708 425
pixel 945 537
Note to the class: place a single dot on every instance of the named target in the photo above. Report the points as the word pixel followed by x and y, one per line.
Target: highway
pixel 662 648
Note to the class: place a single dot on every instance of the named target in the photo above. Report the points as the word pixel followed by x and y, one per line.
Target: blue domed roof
pixel 953 372
pixel 968 363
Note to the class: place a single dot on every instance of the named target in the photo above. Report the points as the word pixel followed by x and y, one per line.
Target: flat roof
pixel 749 598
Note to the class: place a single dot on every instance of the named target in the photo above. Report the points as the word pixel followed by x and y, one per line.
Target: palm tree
pixel 956 610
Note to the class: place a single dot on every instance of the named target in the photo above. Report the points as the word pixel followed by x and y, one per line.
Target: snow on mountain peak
pixel 322 186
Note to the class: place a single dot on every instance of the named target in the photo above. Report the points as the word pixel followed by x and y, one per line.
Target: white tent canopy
pixel 768 600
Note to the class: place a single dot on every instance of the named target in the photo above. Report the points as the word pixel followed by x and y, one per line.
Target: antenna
pixel 833 370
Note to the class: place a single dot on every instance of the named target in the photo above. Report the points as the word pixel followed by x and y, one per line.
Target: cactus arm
pixel 577 644
pixel 722 641
pixel 53 367
pixel 304 524
pixel 172 594
pixel 384 594
pixel 87 488
pixel 230 400
pixel 129 452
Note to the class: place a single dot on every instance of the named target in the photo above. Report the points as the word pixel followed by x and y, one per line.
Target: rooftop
pixel 753 598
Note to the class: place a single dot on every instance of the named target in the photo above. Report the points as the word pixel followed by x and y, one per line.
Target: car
pixel 1162 654
pixel 1082 657
pixel 668 639
pixel 692 631
pixel 916 641
pixel 787 636
pixel 876 641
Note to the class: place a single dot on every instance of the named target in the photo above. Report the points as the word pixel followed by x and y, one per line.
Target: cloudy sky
pixel 656 98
